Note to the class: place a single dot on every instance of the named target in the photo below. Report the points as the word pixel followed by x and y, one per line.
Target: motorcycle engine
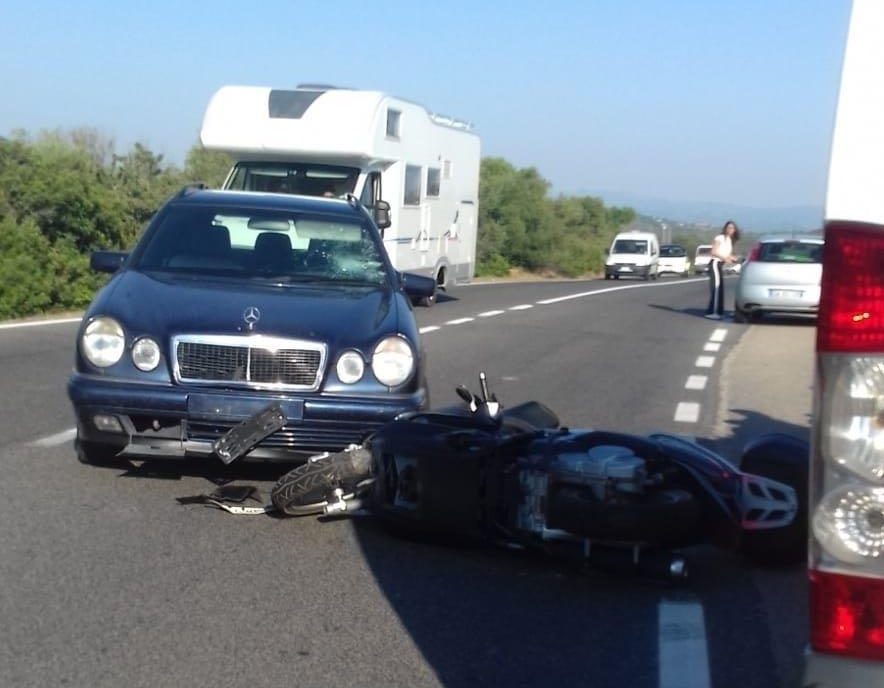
pixel 602 468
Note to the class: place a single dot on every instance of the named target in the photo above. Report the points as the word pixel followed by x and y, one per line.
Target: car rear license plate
pixel 785 293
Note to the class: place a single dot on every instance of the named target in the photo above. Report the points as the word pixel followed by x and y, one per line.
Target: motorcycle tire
pixel 786 459
pixel 304 490
pixel 663 517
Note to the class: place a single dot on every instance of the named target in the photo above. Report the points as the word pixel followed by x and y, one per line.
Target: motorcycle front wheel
pixel 305 490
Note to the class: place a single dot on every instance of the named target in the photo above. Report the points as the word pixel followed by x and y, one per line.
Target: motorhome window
pixel 263 244
pixel 413 174
pixel 433 176
pixel 638 246
pixel 291 104
pixel 393 119
pixel 446 169
pixel 295 178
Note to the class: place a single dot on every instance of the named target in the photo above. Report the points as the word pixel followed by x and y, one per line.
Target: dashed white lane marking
pixel 683 658
pixel 521 307
pixel 460 321
pixel 56 439
pixel 718 335
pixel 38 323
pixel 712 346
pixel 490 314
pixel 705 361
pixel 687 412
pixel 429 328
pixel 697 382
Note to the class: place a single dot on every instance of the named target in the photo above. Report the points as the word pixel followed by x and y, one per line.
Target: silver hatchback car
pixel 780 275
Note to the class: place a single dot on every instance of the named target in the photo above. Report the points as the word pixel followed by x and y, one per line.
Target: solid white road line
pixel 712 346
pixel 56 439
pixel 490 314
pixel 718 335
pixel 705 361
pixel 429 328
pixel 521 307
pixel 687 412
pixel 545 302
pixel 460 321
pixel 683 658
pixel 38 323
pixel 697 382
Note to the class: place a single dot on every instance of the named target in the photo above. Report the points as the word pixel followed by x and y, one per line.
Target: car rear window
pixel 672 252
pixel 790 252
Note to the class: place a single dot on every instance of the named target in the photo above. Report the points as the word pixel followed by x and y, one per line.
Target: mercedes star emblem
pixel 251 315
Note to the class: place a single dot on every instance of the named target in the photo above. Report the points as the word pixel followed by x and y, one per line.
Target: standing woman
pixel 722 252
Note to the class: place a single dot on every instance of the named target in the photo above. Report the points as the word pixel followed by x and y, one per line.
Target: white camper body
pixel 320 140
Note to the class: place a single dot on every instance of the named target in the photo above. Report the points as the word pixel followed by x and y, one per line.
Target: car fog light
pixel 146 354
pixel 393 361
pixel 350 367
pixel 103 342
pixel 107 423
pixel 849 523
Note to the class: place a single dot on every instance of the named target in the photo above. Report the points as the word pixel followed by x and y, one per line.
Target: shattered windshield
pixel 274 245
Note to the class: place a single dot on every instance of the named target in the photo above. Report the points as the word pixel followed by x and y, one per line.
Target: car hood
pixel 162 306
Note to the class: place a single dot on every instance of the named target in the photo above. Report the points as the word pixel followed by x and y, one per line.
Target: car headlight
pixel 350 367
pixel 146 354
pixel 392 361
pixel 103 342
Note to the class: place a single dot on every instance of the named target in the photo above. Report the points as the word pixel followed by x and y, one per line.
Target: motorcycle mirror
pixel 464 394
pixel 483 383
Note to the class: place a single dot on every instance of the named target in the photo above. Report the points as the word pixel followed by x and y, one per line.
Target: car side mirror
pixel 107 261
pixel 607 252
pixel 417 286
pixel 382 215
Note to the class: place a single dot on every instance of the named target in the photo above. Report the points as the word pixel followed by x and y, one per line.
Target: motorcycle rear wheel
pixel 663 517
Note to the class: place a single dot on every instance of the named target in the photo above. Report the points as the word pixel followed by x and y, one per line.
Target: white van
pixel 416 170
pixel 633 254
pixel 702 258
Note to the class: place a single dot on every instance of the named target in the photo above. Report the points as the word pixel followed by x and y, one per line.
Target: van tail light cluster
pixel 847 500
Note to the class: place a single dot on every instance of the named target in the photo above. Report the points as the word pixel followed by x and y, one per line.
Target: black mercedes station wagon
pixel 232 301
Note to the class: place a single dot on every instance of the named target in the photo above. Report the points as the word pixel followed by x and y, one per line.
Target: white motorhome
pixel 417 170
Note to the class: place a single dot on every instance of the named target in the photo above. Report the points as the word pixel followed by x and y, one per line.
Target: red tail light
pixel 847 615
pixel 753 253
pixel 851 316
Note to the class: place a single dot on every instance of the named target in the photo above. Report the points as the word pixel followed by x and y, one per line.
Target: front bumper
pixel 626 270
pixel 169 421
pixel 832 671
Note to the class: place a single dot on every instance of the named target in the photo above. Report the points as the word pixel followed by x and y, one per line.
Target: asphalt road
pixel 105 580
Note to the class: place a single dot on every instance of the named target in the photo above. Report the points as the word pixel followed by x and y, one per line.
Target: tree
pixel 207 166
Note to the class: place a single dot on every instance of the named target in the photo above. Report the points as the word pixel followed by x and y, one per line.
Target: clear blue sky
pixel 700 100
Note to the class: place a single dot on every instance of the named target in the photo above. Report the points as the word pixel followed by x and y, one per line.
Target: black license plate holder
pixel 244 436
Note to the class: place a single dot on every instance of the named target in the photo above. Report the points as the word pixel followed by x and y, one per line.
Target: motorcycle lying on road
pixel 516 477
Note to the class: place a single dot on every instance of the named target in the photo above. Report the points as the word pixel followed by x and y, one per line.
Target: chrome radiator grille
pixel 252 361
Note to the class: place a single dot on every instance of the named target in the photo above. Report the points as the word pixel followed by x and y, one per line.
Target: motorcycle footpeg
pixel 242 438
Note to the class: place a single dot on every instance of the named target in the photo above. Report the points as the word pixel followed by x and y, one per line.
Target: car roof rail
pixel 190 188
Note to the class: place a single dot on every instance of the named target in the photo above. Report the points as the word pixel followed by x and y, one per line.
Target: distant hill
pixel 802 218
